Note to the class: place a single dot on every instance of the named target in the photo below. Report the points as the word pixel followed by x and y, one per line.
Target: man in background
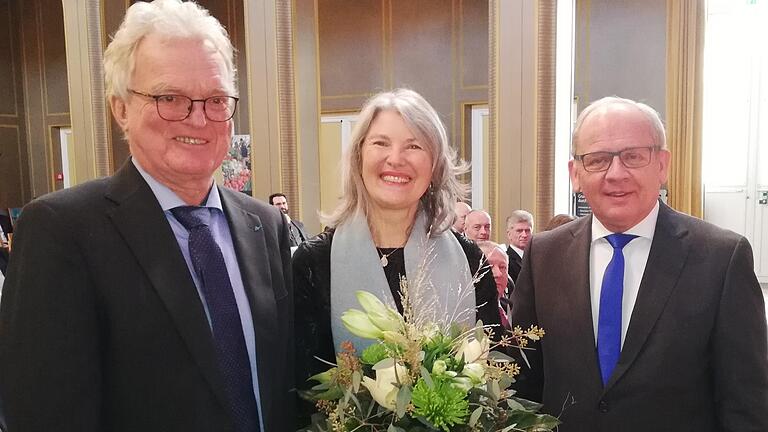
pixel 478 226
pixel 153 300
pixel 461 209
pixel 498 261
pixel 298 234
pixel 519 229
pixel 654 319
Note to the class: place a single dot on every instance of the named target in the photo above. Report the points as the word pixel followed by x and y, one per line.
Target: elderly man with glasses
pixel 654 319
pixel 153 300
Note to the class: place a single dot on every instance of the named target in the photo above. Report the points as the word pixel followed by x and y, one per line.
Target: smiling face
pixel 620 197
pixel 176 153
pixel 396 167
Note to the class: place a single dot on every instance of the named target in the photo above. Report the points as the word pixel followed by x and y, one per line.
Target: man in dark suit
pixel 153 300
pixel 654 320
pixel 298 233
pixel 519 231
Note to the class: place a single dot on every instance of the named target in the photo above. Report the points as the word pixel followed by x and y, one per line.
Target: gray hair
pixel 519 216
pixel 444 189
pixel 168 18
pixel 488 247
pixel 654 121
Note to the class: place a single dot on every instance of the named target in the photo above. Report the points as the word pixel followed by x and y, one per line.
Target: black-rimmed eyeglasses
pixel 174 107
pixel 634 157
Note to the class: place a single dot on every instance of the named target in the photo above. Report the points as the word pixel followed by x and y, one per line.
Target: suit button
pixel 603 406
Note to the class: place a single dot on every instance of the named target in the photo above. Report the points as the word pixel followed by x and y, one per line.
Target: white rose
pixel 383 389
pixel 473 350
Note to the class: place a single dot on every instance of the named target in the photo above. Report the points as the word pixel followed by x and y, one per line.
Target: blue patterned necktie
pixel 228 339
pixel 609 320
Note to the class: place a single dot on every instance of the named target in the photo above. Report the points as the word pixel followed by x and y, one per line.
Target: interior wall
pixel 436 47
pixel 34 99
pixel 621 50
pixel 14 172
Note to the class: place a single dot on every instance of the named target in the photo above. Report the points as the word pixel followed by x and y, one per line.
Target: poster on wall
pixel 236 168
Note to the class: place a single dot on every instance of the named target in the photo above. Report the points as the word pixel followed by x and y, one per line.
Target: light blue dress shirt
pixel 220 230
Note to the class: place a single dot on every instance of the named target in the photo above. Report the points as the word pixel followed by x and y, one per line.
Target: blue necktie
pixel 609 321
pixel 227 329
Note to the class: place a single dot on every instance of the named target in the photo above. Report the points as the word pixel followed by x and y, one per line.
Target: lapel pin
pixel 256 228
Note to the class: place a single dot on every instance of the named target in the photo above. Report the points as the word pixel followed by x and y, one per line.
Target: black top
pixel 394 270
pixel 312 301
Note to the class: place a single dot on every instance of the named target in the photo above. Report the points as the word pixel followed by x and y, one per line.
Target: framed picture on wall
pixel 236 168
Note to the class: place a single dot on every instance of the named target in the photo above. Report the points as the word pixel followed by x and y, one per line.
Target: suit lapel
pixel 248 237
pixel 666 259
pixel 141 222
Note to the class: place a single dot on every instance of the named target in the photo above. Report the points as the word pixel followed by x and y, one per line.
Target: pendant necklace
pixel 384 257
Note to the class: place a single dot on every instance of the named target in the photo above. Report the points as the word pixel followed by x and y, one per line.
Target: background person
pixel 461 209
pixel 298 234
pixel 153 300
pixel 478 226
pixel 655 320
pixel 519 231
pixel 499 261
pixel 558 220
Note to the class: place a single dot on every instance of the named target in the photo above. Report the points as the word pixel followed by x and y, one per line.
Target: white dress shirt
pixel 635 257
pixel 517 250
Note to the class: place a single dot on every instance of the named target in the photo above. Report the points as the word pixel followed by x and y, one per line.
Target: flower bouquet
pixel 416 376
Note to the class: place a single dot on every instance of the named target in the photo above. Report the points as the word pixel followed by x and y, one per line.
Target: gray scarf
pixel 439 279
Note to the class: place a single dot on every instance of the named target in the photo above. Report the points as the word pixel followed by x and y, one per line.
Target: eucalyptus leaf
pixel 386 363
pixel 515 405
pixel 356 378
pixel 525 358
pixel 403 399
pixel 475 416
pixel 427 378
pixel 500 357
pixel 493 389
pixel 479 334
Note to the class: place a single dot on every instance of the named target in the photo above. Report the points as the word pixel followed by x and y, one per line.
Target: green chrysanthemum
pixel 374 354
pixel 442 405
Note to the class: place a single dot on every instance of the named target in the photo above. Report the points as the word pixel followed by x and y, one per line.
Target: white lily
pixel 382 316
pixel 358 322
pixel 383 389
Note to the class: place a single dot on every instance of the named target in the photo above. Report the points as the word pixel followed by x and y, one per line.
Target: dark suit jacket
pixel 695 355
pixel 102 328
pixel 515 263
pixel 300 233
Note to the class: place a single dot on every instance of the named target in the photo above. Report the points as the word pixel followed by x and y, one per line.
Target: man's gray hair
pixel 173 19
pixel 519 216
pixel 654 121
pixel 445 188
pixel 488 247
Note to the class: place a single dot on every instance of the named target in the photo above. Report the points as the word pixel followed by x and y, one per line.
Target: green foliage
pixel 374 354
pixel 442 405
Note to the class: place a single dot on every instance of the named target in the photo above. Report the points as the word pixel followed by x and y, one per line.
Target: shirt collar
pixel 645 228
pixel 168 198
pixel 519 251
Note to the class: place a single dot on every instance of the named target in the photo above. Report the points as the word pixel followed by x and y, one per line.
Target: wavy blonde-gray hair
pixel 424 122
